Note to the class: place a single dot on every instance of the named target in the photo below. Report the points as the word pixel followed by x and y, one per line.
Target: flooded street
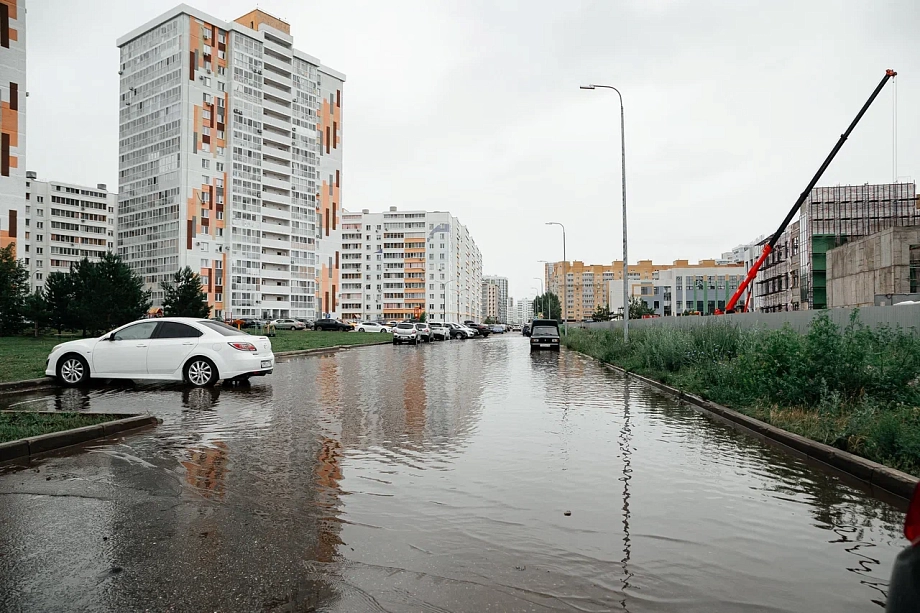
pixel 460 476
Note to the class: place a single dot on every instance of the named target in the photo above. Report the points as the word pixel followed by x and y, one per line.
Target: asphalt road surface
pixel 457 476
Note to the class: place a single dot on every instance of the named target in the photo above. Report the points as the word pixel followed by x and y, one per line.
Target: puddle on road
pixel 461 476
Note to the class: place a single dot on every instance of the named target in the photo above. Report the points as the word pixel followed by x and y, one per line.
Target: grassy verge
pixel 23 357
pixel 291 340
pixel 854 388
pixel 14 426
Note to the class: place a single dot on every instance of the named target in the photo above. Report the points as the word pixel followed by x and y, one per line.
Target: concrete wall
pixel 877 264
pixel 904 316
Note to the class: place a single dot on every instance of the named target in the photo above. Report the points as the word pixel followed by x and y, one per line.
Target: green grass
pixel 14 426
pixel 23 357
pixel 854 388
pixel 292 340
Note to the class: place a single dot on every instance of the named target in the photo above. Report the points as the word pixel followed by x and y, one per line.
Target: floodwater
pixel 457 476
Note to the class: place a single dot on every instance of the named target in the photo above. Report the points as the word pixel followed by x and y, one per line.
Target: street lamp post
pixel 446 298
pixel 542 295
pixel 625 260
pixel 565 278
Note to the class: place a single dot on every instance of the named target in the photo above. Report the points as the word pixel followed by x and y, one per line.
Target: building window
pixel 205 163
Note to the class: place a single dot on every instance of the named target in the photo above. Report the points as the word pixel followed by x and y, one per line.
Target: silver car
pixel 405 333
pixel 439 331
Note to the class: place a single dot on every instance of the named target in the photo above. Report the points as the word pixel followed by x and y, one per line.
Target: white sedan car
pixel 372 326
pixel 199 351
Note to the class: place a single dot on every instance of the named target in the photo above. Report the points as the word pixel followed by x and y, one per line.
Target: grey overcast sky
pixel 473 107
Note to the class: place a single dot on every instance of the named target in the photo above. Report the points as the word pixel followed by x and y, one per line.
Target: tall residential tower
pixel 230 162
pixel 12 122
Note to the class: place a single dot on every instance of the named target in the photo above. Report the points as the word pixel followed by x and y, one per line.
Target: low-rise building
pixel 63 224
pixel 883 268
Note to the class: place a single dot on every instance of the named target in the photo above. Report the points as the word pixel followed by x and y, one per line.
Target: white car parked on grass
pixel 372 326
pixel 199 351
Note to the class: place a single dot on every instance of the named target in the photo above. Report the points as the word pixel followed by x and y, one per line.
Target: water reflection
pixel 625 444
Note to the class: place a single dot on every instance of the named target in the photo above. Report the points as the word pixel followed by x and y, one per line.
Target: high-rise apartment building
pixel 523 311
pixel 794 275
pixel 495 298
pixel 12 122
pixel 64 223
pixel 230 162
pixel 398 264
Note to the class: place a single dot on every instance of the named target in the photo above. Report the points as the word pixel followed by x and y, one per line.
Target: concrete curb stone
pixel 27 384
pixel 895 481
pixel 34 445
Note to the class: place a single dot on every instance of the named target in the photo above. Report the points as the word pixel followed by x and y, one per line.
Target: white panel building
pixel 495 298
pixel 397 264
pixel 13 124
pixel 63 224
pixel 230 162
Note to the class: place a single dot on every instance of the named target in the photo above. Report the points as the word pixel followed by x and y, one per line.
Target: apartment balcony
pixel 275 197
pixel 278 150
pixel 272 243
pixel 275 302
pixel 272 105
pixel 276 215
pixel 276 122
pixel 275 166
pixel 280 83
pixel 271 45
pixel 275 275
pixel 273 139
pixel 272 226
pixel 274 258
pixel 272 181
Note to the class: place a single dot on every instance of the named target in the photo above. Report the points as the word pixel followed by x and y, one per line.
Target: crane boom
pixel 768 248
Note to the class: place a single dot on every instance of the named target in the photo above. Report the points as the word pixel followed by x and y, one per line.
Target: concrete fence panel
pixel 899 316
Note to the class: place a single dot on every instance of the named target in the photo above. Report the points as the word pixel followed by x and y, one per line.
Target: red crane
pixel 768 248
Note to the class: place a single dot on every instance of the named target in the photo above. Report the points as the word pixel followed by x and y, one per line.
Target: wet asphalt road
pixel 434 478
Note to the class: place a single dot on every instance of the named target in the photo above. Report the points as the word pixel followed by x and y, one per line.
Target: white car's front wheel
pixel 201 372
pixel 72 370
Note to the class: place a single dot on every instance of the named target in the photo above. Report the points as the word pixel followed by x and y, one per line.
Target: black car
pixel 483 329
pixel 333 325
pixel 904 586
pixel 544 335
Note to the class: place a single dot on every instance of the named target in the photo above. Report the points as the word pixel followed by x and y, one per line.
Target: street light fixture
pixel 625 261
pixel 542 295
pixel 565 277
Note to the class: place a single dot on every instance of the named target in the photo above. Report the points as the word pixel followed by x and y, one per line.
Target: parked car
pixel 306 321
pixel 199 351
pixel 424 332
pixel 439 331
pixel 526 330
pixel 288 324
pixel 334 325
pixel 372 326
pixel 497 329
pixel 544 335
pixel 458 331
pixel 516 328
pixel 483 329
pixel 904 586
pixel 405 333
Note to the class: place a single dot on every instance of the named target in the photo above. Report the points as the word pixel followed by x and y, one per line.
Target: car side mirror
pixel 111 337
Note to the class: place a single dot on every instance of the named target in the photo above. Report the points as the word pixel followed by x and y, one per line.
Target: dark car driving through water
pixel 544 334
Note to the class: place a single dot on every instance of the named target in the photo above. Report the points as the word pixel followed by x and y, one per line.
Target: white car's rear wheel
pixel 72 370
pixel 201 372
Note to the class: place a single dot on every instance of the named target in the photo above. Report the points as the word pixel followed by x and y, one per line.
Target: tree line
pixel 93 296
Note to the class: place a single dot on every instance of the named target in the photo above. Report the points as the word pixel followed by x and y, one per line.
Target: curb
pixel 891 480
pixel 28 384
pixel 27 447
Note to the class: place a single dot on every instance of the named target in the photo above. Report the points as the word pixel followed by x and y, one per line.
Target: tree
pixel 107 294
pixel 37 310
pixel 601 313
pixel 638 308
pixel 423 317
pixel 184 297
pixel 60 300
pixel 490 320
pixel 14 288
pixel 548 304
